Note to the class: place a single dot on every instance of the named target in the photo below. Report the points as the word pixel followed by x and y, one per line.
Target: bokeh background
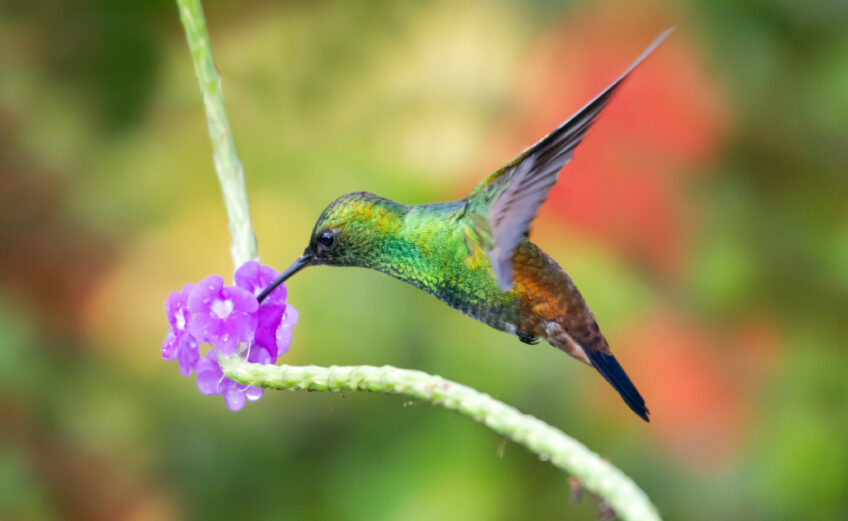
pixel 705 219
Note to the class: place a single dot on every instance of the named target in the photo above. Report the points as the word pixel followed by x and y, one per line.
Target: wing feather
pixel 512 195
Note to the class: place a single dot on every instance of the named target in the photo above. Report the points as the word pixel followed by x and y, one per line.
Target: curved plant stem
pixel 227 164
pixel 550 444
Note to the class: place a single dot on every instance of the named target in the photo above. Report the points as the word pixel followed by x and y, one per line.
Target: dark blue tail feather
pixel 608 366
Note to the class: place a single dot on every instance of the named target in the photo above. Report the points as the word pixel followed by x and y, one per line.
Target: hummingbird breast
pixel 432 253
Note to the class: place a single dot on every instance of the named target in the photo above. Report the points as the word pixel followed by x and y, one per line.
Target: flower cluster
pixel 230 319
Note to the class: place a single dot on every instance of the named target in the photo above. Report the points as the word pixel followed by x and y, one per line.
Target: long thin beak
pixel 301 262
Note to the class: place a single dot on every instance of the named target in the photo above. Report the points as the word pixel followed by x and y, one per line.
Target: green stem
pixel 227 164
pixel 550 444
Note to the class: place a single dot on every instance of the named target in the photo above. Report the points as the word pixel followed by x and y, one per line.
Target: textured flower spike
pixel 230 319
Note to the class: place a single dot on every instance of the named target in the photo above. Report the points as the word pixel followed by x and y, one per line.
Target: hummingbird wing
pixel 511 196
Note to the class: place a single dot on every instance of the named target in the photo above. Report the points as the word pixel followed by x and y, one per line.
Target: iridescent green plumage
pixel 474 254
pixel 428 246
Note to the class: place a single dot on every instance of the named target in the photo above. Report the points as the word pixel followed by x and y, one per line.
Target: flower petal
pixel 255 277
pixel 209 374
pixel 292 316
pixel 169 346
pixel 268 320
pixel 205 327
pixel 188 355
pixel 260 355
pixel 242 299
pixel 176 307
pixel 201 297
pixel 284 331
pixel 227 343
pixel 234 398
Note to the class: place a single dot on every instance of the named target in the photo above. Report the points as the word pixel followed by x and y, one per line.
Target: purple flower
pixel 225 315
pixel 269 318
pixel 233 394
pixel 183 349
pixel 179 344
pixel 211 381
pixel 273 333
pixel 209 373
pixel 284 330
pixel 255 277
pixel 232 321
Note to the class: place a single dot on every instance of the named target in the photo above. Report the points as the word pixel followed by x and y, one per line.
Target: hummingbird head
pixel 351 231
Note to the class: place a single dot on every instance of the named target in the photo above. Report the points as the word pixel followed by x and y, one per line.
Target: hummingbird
pixel 475 255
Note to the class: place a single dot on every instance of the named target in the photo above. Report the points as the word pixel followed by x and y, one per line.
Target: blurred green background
pixel 705 219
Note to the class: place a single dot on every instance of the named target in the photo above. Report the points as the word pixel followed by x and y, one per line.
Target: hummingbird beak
pixel 301 262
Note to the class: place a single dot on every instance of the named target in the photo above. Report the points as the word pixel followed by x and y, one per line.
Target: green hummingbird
pixel 474 254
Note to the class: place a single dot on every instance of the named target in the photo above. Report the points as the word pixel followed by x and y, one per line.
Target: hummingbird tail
pixel 608 366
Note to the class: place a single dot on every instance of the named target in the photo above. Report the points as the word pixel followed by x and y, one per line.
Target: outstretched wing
pixel 511 196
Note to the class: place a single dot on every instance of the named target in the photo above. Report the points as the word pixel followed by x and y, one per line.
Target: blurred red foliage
pixel 699 385
pixel 626 184
pixel 82 485
pixel 48 260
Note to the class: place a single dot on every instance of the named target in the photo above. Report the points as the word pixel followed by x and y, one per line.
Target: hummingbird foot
pixel 528 338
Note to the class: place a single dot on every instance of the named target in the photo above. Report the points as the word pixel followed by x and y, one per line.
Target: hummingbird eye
pixel 327 239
